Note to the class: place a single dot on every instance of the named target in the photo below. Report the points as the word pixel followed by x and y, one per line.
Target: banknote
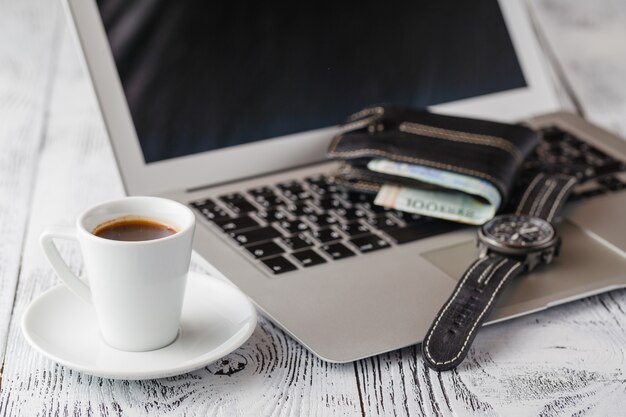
pixel 449 205
pixel 461 198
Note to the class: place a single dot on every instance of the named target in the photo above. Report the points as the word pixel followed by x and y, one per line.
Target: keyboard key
pixel 291 187
pixel 374 208
pixel 422 230
pixel 298 210
pixel 322 182
pixel 369 243
pixel 562 152
pixel 261 191
pixel 293 226
pixel 356 197
pixel 212 211
pixel 337 251
pixel 571 150
pixel 226 198
pixel 320 191
pixel 322 220
pixel 268 201
pixel 406 217
pixel 308 257
pixel 351 213
pixel 271 215
pixel 317 181
pixel 263 250
pixel 240 206
pixel 328 203
pixel 238 223
pixel 300 196
pixel 278 265
pixel 612 183
pixel 260 234
pixel 381 222
pixel 202 203
pixel 326 235
pixel 597 158
pixel 324 190
pixel 353 229
pixel 296 242
pixel 552 134
pixel 610 168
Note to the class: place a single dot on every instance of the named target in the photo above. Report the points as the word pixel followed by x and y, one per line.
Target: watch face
pixel 523 233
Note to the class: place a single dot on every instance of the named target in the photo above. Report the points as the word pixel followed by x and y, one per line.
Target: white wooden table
pixel 55 161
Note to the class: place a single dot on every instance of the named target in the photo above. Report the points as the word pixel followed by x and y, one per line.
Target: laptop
pixel 229 108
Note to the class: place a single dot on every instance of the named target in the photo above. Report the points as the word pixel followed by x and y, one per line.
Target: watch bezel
pixel 504 248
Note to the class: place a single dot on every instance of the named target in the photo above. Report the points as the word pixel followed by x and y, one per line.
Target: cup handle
pixel 75 284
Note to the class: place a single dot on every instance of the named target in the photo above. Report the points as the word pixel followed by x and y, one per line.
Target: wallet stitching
pixel 364 185
pixel 369 151
pixel 506 276
pixel 378 110
pixel 358 124
pixel 367 186
pixel 570 183
pixel 455 135
pixel 335 142
pixel 372 181
pixel 359 175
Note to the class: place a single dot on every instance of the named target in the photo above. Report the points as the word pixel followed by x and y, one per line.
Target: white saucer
pixel 217 318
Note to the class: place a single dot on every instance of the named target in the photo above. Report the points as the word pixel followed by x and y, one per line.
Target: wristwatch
pixel 509 245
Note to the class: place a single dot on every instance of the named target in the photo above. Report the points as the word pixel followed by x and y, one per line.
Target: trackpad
pixel 454 260
pixel 586 266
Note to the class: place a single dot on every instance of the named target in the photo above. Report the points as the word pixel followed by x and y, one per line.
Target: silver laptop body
pixel 377 301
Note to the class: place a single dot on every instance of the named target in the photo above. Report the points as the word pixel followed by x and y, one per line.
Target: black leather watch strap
pixel 545 194
pixel 451 335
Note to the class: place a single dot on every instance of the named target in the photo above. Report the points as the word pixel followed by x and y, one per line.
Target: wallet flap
pixel 488 150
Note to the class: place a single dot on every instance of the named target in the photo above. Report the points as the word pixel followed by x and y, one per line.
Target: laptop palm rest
pixel 586 267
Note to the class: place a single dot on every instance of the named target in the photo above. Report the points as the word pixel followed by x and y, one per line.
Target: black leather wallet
pixel 484 149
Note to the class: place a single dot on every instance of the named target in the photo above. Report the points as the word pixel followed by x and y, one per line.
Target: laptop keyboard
pixel 300 224
pixel 561 151
pixel 303 223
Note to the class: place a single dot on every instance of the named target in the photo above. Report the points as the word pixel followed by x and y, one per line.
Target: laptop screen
pixel 200 76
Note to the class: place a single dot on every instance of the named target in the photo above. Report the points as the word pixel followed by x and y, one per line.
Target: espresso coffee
pixel 133 229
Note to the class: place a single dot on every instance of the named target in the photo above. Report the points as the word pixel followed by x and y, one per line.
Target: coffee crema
pixel 133 229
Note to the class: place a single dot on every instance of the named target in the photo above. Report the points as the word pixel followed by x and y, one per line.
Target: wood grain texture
pixel 270 375
pixel 565 361
pixel 24 96
pixel 568 360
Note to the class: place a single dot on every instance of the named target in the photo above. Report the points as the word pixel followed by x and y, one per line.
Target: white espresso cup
pixel 135 287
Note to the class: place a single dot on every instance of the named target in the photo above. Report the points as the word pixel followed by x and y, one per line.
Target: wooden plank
pixel 563 361
pixel 27 58
pixel 567 360
pixel 271 375
pixel 398 384
pixel 587 38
